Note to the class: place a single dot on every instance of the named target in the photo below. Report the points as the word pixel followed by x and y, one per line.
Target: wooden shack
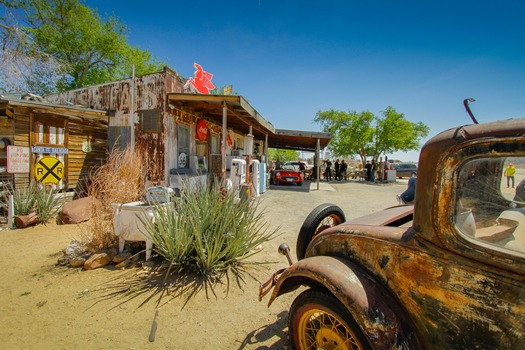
pixel 72 138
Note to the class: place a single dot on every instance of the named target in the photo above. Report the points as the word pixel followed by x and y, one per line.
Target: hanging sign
pixel 202 130
pixel 86 147
pixel 49 170
pixel 17 159
pixel 50 150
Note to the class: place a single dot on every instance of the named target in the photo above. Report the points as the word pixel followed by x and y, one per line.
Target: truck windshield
pixel 490 203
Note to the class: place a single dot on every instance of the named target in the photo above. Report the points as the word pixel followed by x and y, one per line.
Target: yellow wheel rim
pixel 327 222
pixel 320 329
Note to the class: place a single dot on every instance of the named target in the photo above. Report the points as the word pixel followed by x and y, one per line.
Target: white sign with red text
pixel 17 159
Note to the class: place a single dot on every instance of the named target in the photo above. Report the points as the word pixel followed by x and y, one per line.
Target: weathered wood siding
pixel 21 121
pixel 7 131
pixel 81 163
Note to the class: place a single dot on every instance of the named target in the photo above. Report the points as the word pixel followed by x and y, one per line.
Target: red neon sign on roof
pixel 201 81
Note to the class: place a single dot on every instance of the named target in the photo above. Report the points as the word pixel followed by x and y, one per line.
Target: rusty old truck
pixel 447 272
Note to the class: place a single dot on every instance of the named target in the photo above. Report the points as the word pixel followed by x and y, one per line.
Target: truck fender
pixel 379 316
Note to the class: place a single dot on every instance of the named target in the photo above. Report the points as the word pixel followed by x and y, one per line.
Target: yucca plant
pixel 209 229
pixel 47 203
pixel 23 199
pixel 170 233
pixel 42 200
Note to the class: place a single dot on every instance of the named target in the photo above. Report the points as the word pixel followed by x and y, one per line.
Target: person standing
pixel 373 171
pixel 337 168
pixel 509 173
pixel 344 167
pixel 367 168
pixel 328 171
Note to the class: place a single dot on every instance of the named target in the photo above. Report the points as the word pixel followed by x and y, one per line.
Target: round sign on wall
pixel 202 130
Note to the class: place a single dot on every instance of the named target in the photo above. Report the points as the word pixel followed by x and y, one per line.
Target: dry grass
pixel 120 180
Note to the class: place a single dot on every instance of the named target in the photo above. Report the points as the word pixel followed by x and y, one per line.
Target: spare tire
pixel 323 216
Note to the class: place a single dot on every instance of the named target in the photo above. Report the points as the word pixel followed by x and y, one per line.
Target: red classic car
pixel 287 175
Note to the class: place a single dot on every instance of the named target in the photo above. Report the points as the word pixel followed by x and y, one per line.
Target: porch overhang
pixel 299 140
pixel 85 114
pixel 241 116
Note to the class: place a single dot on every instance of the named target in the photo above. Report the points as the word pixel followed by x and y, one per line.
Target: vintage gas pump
pixel 238 172
pixel 262 177
pixel 256 178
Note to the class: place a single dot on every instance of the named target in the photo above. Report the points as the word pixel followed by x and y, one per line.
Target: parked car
pixel 405 169
pixel 296 165
pixel 288 174
pixel 445 273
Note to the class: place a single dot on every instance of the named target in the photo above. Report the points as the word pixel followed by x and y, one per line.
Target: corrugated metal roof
pixel 77 111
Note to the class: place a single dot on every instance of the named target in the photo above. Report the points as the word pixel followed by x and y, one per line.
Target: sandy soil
pixel 44 306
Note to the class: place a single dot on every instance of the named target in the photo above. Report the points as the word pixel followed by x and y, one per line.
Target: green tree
pixel 284 155
pixel 352 132
pixel 394 133
pixel 87 48
pixel 365 134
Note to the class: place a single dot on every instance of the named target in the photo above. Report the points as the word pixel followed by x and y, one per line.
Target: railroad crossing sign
pixel 49 170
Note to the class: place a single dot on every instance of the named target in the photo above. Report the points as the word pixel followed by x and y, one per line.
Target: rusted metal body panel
pixel 442 293
pixel 448 288
pixel 382 321
pixel 393 216
pixel 430 290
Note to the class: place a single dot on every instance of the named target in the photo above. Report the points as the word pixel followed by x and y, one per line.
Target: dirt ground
pixel 44 306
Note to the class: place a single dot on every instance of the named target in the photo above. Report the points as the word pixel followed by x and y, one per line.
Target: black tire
pixel 323 216
pixel 317 320
pixel 299 184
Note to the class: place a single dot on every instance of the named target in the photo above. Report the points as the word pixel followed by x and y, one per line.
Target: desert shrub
pixel 23 199
pixel 47 203
pixel 208 229
pixel 119 180
pixel 41 199
pixel 171 233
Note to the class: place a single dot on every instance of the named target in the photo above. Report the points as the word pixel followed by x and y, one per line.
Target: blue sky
pixel 291 58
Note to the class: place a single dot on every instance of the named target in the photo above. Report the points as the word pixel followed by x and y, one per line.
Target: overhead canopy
pixel 241 115
pixel 298 140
